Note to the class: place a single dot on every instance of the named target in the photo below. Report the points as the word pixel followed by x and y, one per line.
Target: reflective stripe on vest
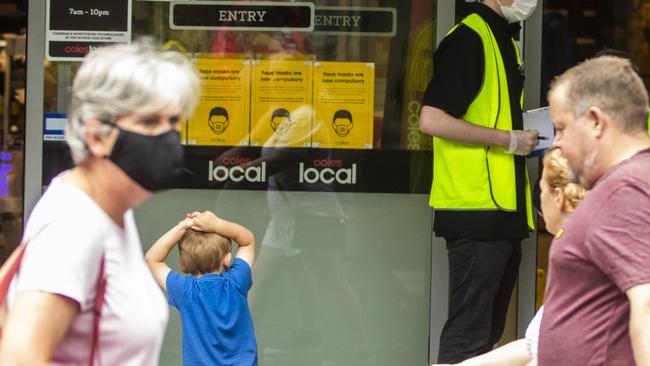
pixel 475 177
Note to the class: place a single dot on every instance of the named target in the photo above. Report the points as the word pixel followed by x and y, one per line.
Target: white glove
pixel 522 142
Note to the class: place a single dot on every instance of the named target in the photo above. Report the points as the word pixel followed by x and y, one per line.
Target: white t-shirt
pixel 68 234
pixel 532 333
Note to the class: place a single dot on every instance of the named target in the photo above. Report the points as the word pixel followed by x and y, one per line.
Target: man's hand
pixel 522 142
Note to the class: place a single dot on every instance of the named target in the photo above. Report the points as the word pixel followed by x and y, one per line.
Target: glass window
pixel 350 87
pixel 304 136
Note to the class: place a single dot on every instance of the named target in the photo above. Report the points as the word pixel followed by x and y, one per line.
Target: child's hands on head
pixel 204 221
pixel 185 224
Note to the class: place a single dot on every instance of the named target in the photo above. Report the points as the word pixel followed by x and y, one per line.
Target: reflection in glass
pixel 341 278
pixel 305 239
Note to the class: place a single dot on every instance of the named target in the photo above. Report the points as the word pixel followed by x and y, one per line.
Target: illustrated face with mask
pixel 518 11
pixel 218 120
pixel 150 153
pixel 280 121
pixel 342 123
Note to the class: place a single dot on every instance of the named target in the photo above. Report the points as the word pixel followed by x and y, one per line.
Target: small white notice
pixel 540 120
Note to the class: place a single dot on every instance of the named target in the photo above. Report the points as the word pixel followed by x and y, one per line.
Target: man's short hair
pixel 202 252
pixel 609 83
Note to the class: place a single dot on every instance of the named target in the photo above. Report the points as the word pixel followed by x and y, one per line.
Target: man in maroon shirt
pixel 597 302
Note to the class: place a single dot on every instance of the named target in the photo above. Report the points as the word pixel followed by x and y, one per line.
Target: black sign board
pixel 262 16
pixel 355 20
pixel 76 27
pixel 305 169
pixel 287 169
pixel 89 15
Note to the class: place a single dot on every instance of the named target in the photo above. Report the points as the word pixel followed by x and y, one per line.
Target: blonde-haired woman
pixel 82 242
pixel 559 196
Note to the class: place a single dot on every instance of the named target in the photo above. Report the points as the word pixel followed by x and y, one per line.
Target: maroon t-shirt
pixel 603 252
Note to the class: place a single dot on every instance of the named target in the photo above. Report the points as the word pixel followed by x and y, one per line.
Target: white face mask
pixel 518 11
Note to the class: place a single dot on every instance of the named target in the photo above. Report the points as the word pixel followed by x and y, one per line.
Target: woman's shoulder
pixel 67 222
pixel 67 207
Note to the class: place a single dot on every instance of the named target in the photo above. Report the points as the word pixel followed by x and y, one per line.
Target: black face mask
pixel 154 162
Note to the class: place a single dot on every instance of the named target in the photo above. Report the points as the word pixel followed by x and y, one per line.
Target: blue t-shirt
pixel 217 325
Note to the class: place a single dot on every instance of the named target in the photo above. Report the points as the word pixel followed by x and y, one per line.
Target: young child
pixel 211 295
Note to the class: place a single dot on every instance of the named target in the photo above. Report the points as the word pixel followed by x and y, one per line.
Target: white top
pixel 532 333
pixel 68 235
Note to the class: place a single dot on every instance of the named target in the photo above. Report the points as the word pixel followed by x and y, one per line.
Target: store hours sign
pixel 75 27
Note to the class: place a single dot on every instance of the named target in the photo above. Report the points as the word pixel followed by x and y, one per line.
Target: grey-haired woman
pixel 127 101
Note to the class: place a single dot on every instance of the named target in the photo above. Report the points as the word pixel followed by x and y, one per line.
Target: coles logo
pixel 328 171
pixel 78 50
pixel 414 135
pixel 233 171
pixel 236 160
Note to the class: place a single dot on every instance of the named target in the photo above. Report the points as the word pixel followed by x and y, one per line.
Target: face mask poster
pixel 343 105
pixel 280 102
pixel 221 117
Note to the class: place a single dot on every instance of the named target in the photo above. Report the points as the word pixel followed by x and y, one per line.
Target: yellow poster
pixel 183 131
pixel 281 105
pixel 222 115
pixel 343 105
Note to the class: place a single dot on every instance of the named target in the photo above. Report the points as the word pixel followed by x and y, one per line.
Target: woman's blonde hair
pixel 558 176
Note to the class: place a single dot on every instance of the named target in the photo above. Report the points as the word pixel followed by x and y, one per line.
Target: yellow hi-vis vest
pixel 476 177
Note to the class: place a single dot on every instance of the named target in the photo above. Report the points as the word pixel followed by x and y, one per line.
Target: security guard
pixel 480 191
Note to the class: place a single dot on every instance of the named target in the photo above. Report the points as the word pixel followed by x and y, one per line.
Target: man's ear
pixel 98 144
pixel 599 121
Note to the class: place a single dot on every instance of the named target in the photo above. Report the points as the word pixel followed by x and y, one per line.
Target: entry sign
pixel 245 16
pixel 365 21
pixel 75 27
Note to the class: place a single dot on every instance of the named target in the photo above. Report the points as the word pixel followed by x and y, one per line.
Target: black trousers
pixel 482 275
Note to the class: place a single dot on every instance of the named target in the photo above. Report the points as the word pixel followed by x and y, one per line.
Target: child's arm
pixel 207 221
pixel 155 256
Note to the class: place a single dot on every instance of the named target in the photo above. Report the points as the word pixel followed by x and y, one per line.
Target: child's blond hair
pixel 202 252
